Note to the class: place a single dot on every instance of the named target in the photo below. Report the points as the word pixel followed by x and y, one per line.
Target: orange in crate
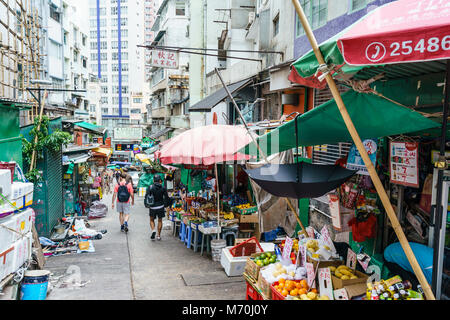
pixel 246 248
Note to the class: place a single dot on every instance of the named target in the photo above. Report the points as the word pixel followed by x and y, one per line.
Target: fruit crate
pixel 247 248
pixel 252 293
pixel 251 268
pixel 275 294
pixel 247 210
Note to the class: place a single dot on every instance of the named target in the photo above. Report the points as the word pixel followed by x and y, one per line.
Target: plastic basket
pixel 9 165
pixel 275 294
pixel 246 248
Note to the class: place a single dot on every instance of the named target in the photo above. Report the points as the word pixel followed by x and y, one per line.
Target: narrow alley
pixel 133 267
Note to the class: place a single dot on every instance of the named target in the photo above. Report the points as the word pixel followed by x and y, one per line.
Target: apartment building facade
pixel 116 28
pixel 169 85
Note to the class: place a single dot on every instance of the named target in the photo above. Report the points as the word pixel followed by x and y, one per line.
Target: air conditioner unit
pixel 251 17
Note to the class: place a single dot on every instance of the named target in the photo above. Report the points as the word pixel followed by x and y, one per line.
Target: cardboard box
pixel 233 266
pixel 324 264
pixel 251 268
pixel 264 286
pixel 339 283
pixel 356 290
pixel 249 218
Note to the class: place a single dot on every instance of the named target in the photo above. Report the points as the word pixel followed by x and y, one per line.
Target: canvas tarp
pixel 373 117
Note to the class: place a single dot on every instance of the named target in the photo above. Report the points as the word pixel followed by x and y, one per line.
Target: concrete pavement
pixel 133 267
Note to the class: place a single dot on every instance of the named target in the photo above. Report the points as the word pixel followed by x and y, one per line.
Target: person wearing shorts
pixel 158 208
pixel 123 208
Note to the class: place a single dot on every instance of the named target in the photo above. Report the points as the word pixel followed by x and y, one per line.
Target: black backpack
pixel 149 199
pixel 123 194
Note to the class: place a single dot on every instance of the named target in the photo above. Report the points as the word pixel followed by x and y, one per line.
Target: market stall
pixel 205 210
pixel 393 155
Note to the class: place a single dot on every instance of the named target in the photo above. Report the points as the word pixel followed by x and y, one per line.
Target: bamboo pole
pixel 362 150
pixel 259 148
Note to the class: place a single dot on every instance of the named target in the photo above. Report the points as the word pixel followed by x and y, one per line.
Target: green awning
pixel 373 117
pixel 91 127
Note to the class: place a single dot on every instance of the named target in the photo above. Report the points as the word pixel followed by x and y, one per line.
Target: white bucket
pixel 216 248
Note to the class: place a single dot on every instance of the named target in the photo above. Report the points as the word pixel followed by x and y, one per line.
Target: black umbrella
pixel 299 180
pixel 302 180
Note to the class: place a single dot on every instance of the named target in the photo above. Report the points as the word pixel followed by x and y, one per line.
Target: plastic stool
pixel 207 238
pixel 196 238
pixel 182 231
pixel 176 228
pixel 188 237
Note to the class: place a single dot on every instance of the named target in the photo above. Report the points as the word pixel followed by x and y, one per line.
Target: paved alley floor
pixel 133 267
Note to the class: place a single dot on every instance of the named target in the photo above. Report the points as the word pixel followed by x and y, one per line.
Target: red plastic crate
pixel 275 294
pixel 252 294
pixel 246 248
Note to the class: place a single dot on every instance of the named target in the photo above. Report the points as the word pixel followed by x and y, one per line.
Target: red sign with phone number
pixel 401 31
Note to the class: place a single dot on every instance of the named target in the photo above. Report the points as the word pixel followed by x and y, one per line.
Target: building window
pixel 137 100
pixel 104 89
pixel 316 12
pixel 104 100
pixel 54 13
pixel 357 5
pixel 276 25
pixel 104 110
pixel 180 9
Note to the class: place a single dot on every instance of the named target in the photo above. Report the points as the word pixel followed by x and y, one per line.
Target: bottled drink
pixel 374 295
pixel 396 296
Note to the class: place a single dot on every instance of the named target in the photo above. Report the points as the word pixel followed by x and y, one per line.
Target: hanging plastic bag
pixel 97 210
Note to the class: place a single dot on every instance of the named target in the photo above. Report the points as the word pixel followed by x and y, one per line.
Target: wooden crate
pixel 251 268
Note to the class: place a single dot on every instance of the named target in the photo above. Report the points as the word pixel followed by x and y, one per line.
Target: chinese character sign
pixel 164 59
pixel 404 163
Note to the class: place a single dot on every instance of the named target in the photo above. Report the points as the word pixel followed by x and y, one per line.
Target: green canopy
pixel 91 127
pixel 373 117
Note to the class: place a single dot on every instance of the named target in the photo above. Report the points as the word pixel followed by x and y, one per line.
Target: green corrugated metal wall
pixel 48 196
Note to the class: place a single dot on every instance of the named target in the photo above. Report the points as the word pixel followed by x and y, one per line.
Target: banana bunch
pixel 228 216
pixel 244 206
pixel 343 272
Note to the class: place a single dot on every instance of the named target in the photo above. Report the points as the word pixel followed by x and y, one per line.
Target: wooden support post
pixel 362 150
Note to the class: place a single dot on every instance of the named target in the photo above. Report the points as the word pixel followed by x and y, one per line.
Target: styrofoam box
pixel 233 266
pixel 22 223
pixel 22 252
pixel 6 261
pixel 20 189
pixel 5 182
pixel 7 237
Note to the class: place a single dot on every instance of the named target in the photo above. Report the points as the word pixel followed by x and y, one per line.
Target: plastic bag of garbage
pixel 97 210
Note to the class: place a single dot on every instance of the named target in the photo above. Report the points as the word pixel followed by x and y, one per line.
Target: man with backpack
pixel 124 193
pixel 156 199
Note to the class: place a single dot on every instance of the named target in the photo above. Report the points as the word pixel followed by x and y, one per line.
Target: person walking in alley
pixel 123 191
pixel 156 207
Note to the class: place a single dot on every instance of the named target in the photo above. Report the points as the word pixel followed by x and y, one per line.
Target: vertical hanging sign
pixel 404 163
pixel 287 248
